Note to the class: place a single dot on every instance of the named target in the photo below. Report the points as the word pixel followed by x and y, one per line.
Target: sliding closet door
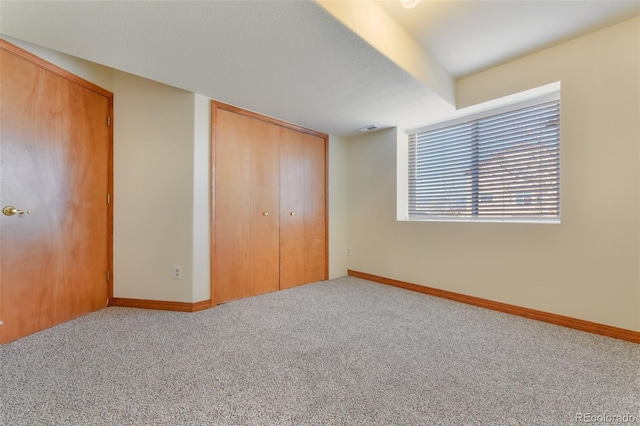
pixel 265 207
pixel 232 152
pixel 315 222
pixel 292 217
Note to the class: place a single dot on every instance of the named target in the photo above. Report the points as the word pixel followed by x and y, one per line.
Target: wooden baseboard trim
pixel 160 304
pixel 578 324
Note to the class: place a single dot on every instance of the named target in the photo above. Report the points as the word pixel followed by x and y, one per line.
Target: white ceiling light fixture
pixel 409 4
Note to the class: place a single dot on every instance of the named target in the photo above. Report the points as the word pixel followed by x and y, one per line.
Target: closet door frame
pixel 215 106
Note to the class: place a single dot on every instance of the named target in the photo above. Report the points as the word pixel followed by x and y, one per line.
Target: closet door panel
pixel 265 207
pixel 232 206
pixel 292 175
pixel 315 209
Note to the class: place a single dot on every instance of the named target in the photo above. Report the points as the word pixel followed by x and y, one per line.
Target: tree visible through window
pixel 504 166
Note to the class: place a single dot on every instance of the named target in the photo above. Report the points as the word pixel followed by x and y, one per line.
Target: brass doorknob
pixel 10 211
pixel 265 213
pixel 292 214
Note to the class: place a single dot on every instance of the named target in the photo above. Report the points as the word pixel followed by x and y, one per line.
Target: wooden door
pixel 247 186
pixel 315 212
pixel 55 162
pixel 265 207
pixel 292 214
pixel 303 192
pixel 232 235
pixel 268 223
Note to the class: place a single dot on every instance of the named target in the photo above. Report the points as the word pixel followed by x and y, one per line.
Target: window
pixel 502 166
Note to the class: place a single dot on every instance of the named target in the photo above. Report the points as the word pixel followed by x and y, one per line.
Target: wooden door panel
pixel 55 162
pixel 232 206
pixel 265 198
pixel 292 175
pixel 20 177
pixel 82 229
pixel 315 209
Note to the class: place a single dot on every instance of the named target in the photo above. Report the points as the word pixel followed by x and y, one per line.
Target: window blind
pixel 499 167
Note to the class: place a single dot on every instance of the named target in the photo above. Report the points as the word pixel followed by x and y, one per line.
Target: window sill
pixel 485 220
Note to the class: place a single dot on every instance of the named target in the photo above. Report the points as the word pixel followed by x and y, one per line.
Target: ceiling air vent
pixel 369 128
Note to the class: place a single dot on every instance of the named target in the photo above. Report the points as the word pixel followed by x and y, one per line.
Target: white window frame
pixel 535 96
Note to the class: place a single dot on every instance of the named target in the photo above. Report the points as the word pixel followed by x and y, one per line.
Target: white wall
pixel 153 189
pixel 338 207
pixel 201 195
pixel 587 267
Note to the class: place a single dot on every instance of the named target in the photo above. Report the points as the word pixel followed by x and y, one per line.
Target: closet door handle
pixel 265 213
pixel 292 214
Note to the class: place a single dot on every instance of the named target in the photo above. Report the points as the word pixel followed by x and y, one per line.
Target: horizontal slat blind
pixel 504 166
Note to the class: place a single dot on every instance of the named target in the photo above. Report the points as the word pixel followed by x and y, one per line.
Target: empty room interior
pixel 320 212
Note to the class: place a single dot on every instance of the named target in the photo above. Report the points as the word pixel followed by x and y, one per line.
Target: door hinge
pixel 108 276
pixel 108 198
pixel 108 121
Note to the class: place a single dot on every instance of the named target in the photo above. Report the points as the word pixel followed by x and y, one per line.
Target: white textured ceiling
pixel 292 59
pixel 467 36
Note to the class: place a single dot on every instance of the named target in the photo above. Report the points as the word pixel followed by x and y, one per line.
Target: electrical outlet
pixel 177 272
pixel 349 251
